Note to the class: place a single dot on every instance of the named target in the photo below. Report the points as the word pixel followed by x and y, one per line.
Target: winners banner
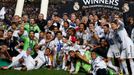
pixel 86 4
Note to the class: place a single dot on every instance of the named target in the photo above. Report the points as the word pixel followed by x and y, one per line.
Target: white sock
pixel 112 66
pixel 13 64
pixel 18 68
pixel 132 65
pixel 121 68
pixel 63 64
pixel 72 67
pixel 124 65
pixel 54 60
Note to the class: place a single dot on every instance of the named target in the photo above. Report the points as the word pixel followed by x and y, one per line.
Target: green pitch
pixel 36 72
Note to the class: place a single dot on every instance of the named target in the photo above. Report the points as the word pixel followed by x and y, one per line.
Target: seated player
pixel 98 64
pixel 22 61
pixel 80 60
pixel 43 58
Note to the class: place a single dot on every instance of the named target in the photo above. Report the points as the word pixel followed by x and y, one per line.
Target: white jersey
pixel 114 49
pixel 29 62
pixel 17 31
pixel 90 36
pixel 21 55
pixel 111 38
pixel 100 31
pixel 41 59
pixel 80 48
pixel 126 41
pixel 126 45
pixel 55 43
pixel 82 35
pixel 65 48
pixel 42 42
pixel 82 51
pixel 15 60
pixel 132 35
pixel 40 56
pixel 64 31
pixel 98 63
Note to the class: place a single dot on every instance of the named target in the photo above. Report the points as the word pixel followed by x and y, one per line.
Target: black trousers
pixel 101 72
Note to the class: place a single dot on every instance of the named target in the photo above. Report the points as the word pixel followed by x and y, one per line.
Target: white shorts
pixel 113 51
pixel 128 52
